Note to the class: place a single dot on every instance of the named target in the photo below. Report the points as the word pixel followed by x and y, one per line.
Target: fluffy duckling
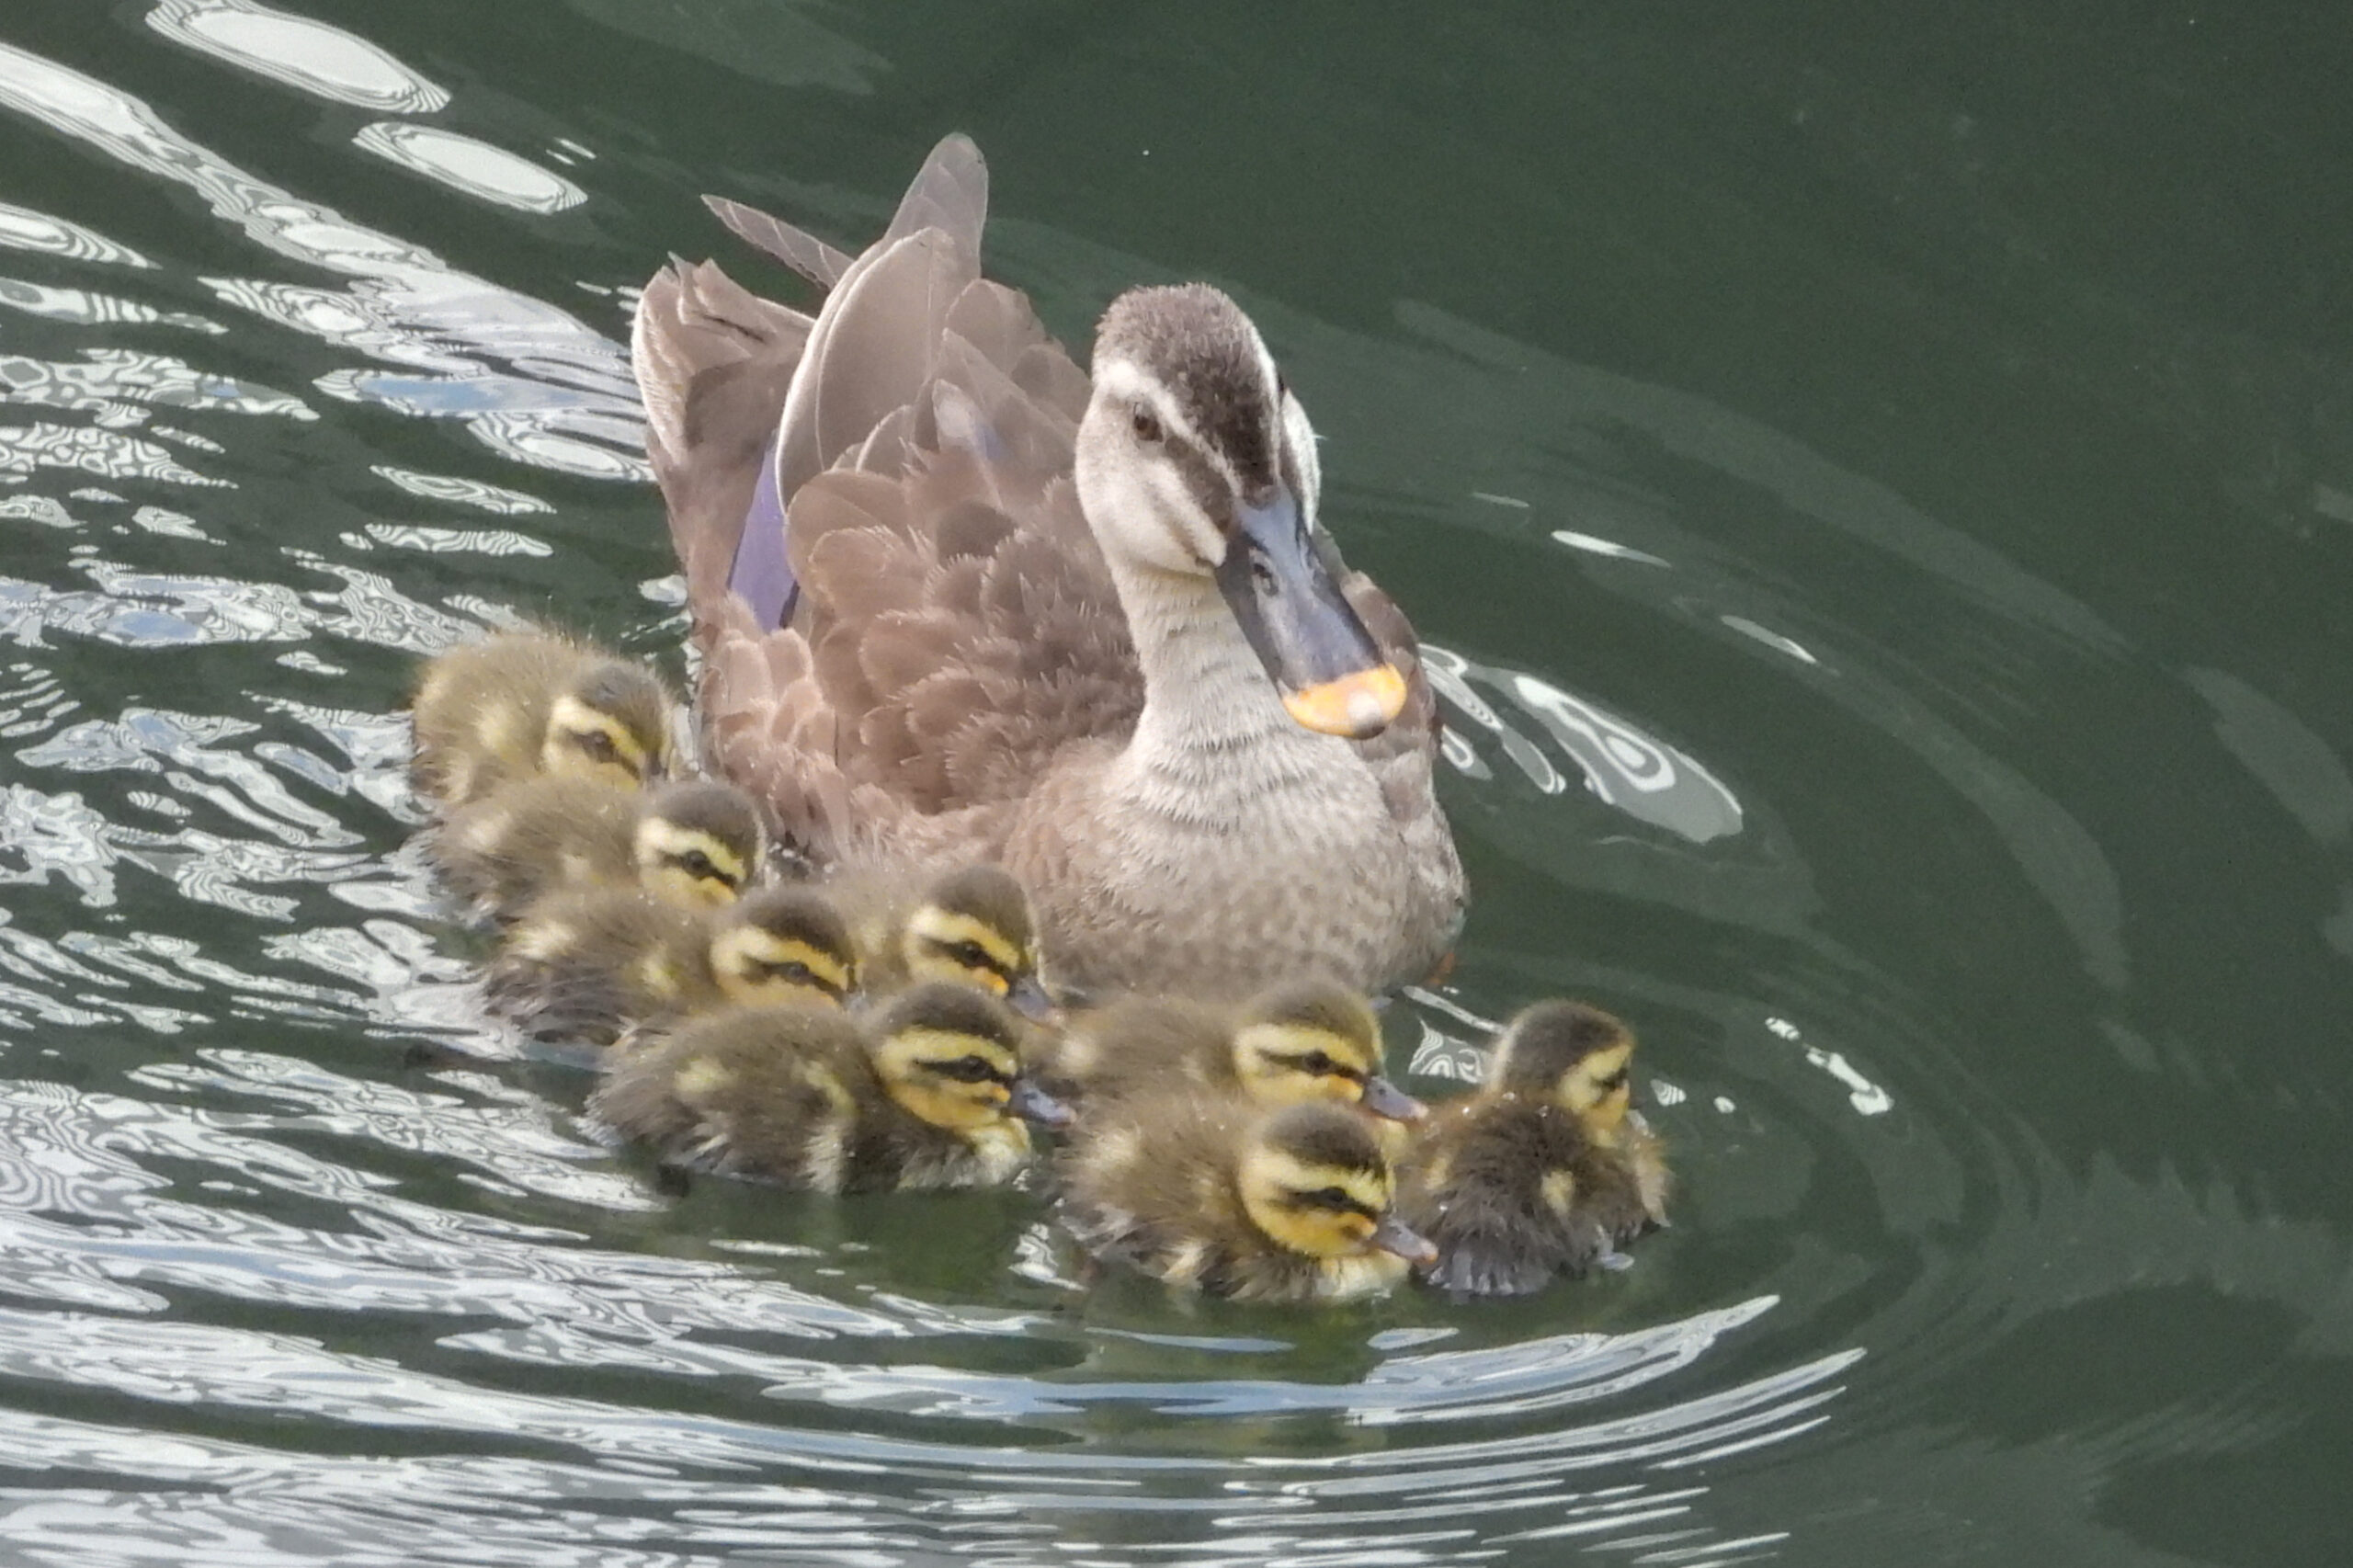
pixel 1544 1170
pixel 1218 1194
pixel 928 1093
pixel 1306 1039
pixel 524 703
pixel 591 963
pixel 973 926
pixel 695 842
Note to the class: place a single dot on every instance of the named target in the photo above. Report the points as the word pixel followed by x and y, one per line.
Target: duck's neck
pixel 1208 709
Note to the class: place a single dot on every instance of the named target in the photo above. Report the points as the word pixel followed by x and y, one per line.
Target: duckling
pixel 1544 1170
pixel 929 1093
pixel 1306 1039
pixel 591 963
pixel 523 703
pixel 973 926
pixel 1216 1193
pixel 695 842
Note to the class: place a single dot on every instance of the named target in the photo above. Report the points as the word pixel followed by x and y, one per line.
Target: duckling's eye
pixel 697 864
pixel 1615 1082
pixel 1319 1063
pixel 1330 1197
pixel 967 1070
pixel 792 969
pixel 971 955
pixel 1147 425
pixel 599 746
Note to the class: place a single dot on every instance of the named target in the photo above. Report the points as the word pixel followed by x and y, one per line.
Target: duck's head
pixel 1313 1178
pixel 1577 1056
pixel 1316 1039
pixel 611 722
pixel 784 945
pixel 1195 460
pixel 697 842
pixel 975 927
pixel 952 1056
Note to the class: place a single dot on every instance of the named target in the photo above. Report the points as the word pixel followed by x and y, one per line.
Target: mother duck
pixel 958 601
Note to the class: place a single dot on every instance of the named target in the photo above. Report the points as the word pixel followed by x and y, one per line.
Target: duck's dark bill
pixel 1029 999
pixel 1393 1234
pixel 1321 658
pixel 1032 1103
pixel 1384 1099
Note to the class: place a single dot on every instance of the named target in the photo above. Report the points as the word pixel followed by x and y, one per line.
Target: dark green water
pixel 1882 483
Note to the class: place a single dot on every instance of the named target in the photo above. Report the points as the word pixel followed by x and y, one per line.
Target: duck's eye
pixel 967 1070
pixel 1146 425
pixel 971 955
pixel 1615 1082
pixel 1319 1063
pixel 793 969
pixel 599 746
pixel 697 864
pixel 1330 1197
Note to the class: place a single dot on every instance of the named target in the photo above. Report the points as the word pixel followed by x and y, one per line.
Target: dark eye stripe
pixel 1306 1062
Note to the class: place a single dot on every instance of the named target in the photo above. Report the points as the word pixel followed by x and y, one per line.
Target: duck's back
pixel 528 838
pixel 912 647
pixel 1140 1046
pixel 480 713
pixel 1510 1190
pixel 586 964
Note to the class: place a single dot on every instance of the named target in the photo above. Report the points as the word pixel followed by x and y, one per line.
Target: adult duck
pixel 959 601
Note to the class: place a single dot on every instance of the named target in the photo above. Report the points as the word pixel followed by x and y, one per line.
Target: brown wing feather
pixel 797 248
pixel 957 630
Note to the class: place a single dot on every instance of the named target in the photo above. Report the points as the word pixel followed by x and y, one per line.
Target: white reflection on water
pixel 575 410
pixel 21 228
pixel 474 168
pixel 463 491
pixel 1620 765
pixel 299 52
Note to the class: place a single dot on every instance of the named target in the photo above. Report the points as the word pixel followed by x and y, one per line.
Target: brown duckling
pixel 591 963
pixel 1218 1194
pixel 974 926
pixel 1544 1170
pixel 1305 1039
pixel 519 704
pixel 927 1093
pixel 695 842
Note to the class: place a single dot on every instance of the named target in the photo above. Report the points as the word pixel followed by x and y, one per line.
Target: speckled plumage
pixel 1301 1040
pixel 590 963
pixel 793 1096
pixel 1514 1184
pixel 972 672
pixel 522 841
pixel 1156 1186
pixel 479 715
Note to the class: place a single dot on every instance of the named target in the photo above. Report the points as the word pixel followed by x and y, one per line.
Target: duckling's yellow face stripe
pixel 580 740
pixel 1284 1063
pixel 1598 1089
pixel 687 865
pixel 755 965
pixel 1316 1210
pixel 945 945
pixel 957 1081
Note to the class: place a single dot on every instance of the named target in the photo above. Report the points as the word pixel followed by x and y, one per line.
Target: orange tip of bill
pixel 1356 705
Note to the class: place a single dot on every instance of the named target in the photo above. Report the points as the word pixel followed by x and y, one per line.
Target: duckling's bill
pixel 1314 647
pixel 1034 1104
pixel 1384 1099
pixel 1394 1235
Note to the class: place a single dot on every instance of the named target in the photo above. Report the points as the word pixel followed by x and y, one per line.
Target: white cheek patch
pixel 1299 436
